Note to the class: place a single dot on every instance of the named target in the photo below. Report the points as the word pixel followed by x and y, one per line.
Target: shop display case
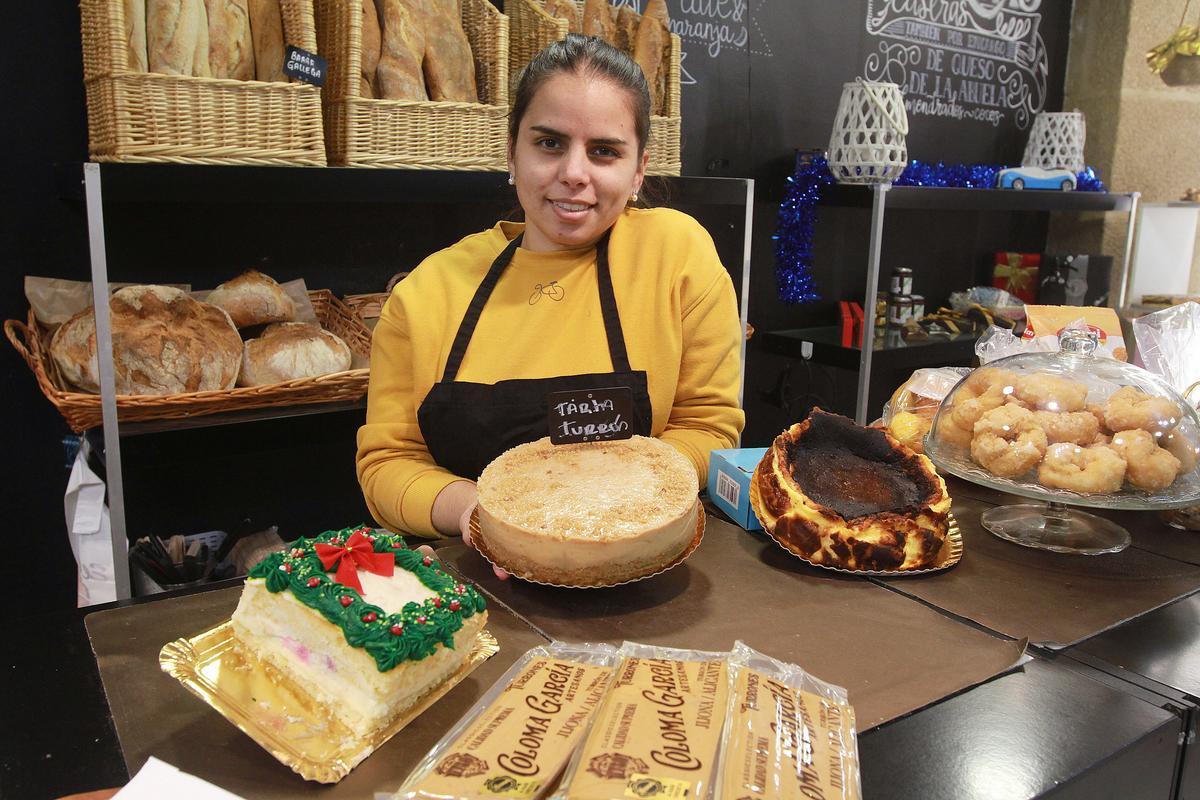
pixel 823 344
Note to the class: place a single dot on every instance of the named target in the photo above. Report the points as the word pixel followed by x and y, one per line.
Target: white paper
pixel 158 779
pixel 89 532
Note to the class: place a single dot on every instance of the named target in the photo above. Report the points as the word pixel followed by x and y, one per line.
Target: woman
pixel 587 293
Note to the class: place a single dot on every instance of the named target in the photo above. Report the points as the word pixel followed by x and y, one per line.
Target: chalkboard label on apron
pixel 590 415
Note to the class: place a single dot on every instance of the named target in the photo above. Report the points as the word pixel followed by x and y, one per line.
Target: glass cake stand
pixel 1054 523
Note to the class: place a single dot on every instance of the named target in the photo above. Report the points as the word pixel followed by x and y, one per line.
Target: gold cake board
pixel 278 715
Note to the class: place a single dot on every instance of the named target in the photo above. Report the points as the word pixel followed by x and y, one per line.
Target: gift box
pixel 729 473
pixel 1017 274
pixel 1075 280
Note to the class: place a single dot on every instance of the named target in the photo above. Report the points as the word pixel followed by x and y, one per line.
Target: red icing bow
pixel 358 553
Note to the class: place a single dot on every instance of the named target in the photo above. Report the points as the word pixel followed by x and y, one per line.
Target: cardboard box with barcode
pixel 729 473
pixel 1050 321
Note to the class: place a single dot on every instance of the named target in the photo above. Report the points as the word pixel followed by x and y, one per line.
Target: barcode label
pixel 728 489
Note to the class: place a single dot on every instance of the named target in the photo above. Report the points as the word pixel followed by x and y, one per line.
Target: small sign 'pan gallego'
pixel 590 415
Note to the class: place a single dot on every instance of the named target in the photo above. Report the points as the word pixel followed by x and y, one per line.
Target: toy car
pixel 1035 178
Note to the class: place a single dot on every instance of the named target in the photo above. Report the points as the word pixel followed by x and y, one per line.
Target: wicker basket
pixel 367 306
pixel 82 409
pixel 533 29
pixel 139 116
pixel 414 134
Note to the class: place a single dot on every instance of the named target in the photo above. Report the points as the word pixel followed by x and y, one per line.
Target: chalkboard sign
pixel 305 66
pixel 761 78
pixel 590 415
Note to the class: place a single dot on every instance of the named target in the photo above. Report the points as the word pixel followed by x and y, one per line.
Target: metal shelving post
pixel 108 392
pixel 878 204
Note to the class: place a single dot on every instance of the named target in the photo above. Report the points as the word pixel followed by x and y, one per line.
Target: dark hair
pixel 588 55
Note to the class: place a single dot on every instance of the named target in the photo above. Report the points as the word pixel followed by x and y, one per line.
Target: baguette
pixel 598 20
pixel 449 64
pixel 398 76
pixel 626 33
pixel 372 41
pixel 230 44
pixel 566 9
pixel 652 41
pixel 177 37
pixel 135 34
pixel 266 32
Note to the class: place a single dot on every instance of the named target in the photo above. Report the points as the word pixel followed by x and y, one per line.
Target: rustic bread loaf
pixel 164 342
pixel 449 64
pixel 135 34
pixel 372 41
pixel 626 33
pixel 230 45
pixel 287 351
pixel 398 76
pixel 266 31
pixel 652 42
pixel 566 9
pixel 598 20
pixel 253 298
pixel 177 37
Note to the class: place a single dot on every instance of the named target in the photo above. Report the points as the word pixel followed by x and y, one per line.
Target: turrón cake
pixel 588 514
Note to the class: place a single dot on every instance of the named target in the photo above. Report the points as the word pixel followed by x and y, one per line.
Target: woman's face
pixel 575 161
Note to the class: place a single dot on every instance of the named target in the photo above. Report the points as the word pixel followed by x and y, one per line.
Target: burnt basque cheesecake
pixel 590 513
pixel 357 623
pixel 842 495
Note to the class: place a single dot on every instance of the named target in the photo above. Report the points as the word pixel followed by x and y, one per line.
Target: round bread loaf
pixel 290 350
pixel 164 342
pixel 253 298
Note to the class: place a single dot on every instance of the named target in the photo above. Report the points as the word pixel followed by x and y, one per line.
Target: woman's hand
pixel 465 526
pixel 452 515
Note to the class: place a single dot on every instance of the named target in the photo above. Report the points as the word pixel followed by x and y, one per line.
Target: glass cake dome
pixel 1069 429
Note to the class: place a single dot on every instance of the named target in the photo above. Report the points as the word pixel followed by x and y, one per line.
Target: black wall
pixel 761 78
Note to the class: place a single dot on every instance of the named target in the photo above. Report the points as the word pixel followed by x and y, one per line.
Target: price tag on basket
pixel 590 415
pixel 305 66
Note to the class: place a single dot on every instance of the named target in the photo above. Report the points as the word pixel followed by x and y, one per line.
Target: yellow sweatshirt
pixel 678 313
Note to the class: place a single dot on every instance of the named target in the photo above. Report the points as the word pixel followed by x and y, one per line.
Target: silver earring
pixel 633 197
pixel 511 180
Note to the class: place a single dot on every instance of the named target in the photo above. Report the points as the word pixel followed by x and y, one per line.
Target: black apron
pixel 466 425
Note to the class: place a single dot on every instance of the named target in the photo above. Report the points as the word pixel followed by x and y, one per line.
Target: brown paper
pixel 658 731
pixel 788 736
pixel 517 740
pixel 55 300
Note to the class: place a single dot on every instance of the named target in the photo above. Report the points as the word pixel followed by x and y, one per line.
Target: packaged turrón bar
pixel 788 735
pixel 658 729
pixel 515 741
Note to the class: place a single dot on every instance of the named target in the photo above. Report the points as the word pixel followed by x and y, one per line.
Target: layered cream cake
pixel 357 623
pixel 587 514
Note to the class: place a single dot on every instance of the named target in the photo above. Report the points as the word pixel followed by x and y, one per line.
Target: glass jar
pixel 918 306
pixel 899 310
pixel 902 280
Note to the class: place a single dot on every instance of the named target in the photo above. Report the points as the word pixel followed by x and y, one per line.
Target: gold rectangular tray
pixel 270 710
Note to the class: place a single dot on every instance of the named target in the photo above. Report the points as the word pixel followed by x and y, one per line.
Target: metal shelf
pixel 946 199
pixel 884 197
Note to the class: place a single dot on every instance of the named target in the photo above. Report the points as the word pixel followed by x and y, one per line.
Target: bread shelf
pixel 171 183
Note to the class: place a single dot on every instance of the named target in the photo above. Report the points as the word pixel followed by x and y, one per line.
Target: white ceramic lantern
pixel 867 144
pixel 1056 141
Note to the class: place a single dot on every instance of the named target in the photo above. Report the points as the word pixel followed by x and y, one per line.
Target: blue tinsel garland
pixel 798 212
